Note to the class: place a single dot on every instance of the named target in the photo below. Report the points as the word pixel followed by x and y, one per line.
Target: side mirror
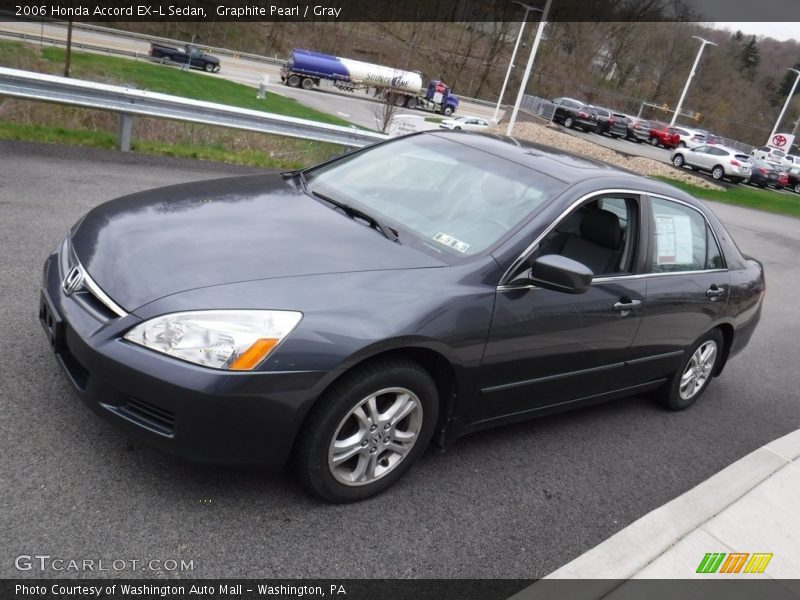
pixel 557 273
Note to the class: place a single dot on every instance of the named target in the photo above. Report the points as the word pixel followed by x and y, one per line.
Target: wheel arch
pixel 448 377
pixel 727 336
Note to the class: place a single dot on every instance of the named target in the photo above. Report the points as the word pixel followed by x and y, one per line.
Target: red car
pixel 661 134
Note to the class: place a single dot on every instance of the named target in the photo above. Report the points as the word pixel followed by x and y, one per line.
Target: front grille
pixel 148 415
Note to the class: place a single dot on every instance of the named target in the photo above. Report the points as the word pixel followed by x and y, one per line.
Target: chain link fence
pixel 539 107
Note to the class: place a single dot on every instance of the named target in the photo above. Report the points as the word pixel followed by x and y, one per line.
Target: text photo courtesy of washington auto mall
pixel 455 299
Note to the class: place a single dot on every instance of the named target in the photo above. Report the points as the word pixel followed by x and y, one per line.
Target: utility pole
pixel 689 79
pixel 68 59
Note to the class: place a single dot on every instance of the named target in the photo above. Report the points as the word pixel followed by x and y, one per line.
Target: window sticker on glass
pixel 673 240
pixel 449 240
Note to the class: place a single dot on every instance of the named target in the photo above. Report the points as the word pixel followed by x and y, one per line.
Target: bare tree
pixel 387 109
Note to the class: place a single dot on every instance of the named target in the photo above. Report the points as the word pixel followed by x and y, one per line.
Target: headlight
pixel 238 340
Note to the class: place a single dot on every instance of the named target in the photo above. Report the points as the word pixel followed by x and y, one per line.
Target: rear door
pixel 688 287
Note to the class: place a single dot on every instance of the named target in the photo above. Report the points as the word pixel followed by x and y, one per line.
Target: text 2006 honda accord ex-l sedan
pixel 348 315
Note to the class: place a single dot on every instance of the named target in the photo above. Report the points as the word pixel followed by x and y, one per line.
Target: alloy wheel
pixel 375 436
pixel 698 370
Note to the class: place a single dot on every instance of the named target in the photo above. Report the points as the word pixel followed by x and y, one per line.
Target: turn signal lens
pixel 253 355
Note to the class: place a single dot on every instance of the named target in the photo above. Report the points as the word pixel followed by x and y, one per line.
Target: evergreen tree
pixel 788 82
pixel 749 58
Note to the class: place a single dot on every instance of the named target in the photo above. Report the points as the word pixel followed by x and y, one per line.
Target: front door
pixel 547 348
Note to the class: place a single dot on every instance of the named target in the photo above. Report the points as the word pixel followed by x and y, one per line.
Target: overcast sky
pixel 779 31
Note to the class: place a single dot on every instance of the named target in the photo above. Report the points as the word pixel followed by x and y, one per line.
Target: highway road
pixel 355 107
pixel 514 502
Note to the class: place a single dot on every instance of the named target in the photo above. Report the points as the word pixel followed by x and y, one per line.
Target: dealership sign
pixel 781 141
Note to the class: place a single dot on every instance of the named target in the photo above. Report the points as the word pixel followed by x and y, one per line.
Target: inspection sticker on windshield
pixel 449 240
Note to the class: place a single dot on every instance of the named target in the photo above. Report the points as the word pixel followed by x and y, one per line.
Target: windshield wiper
pixel 389 232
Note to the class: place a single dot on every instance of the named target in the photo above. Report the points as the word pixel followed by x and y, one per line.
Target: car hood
pixel 148 245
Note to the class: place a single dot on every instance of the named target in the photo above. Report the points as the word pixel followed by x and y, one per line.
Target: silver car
pixel 720 161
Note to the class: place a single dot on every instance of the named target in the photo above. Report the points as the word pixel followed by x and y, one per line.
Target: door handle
pixel 626 304
pixel 715 292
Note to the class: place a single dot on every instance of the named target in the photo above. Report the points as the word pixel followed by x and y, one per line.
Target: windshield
pixel 451 197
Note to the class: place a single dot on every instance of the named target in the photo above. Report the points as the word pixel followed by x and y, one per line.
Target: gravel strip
pixel 549 136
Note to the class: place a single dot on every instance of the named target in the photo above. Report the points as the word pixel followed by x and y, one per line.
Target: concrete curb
pixel 659 530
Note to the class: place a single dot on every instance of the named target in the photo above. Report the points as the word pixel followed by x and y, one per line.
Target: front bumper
pixel 197 413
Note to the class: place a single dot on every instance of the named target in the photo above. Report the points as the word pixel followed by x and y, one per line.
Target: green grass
pixel 166 79
pixel 743 195
pixel 107 141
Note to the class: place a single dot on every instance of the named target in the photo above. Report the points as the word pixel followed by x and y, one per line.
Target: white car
pixel 720 161
pixel 465 123
pixel 772 155
pixel 690 138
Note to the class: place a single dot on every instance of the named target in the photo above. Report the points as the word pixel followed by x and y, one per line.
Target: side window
pixel 681 240
pixel 601 234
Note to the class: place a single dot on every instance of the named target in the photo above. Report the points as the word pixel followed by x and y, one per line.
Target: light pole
pixel 786 104
pixel 689 79
pixel 513 55
pixel 528 67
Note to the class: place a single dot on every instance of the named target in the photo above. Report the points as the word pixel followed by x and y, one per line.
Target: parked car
pixel 573 113
pixel 641 130
pixel 720 161
pixel 714 139
pixel 347 320
pixel 793 179
pixel 621 126
pixel 793 159
pixel 657 134
pixel 602 117
pixel 188 55
pixel 764 173
pixel 690 138
pixel 770 154
pixel 465 123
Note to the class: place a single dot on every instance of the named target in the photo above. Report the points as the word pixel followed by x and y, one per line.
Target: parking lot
pixel 514 502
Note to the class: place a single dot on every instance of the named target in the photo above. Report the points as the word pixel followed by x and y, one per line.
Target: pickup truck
pixel 188 55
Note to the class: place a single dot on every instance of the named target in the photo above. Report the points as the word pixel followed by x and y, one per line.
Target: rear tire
pixel 353 445
pixel 307 83
pixel 653 141
pixel 412 103
pixel 678 161
pixel 697 368
pixel 797 188
pixel 569 122
pixel 293 81
pixel 718 173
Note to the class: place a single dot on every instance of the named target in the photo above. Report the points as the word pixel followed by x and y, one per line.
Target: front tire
pixel 209 67
pixel 447 111
pixel 367 430
pixel 700 364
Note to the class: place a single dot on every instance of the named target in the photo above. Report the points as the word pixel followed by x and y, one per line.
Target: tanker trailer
pixel 307 69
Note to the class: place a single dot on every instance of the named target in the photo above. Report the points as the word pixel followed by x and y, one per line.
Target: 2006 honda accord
pixel 347 315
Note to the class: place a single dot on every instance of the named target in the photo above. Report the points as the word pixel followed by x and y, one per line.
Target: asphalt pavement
pixel 515 502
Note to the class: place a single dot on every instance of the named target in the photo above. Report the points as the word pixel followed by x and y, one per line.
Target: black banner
pixel 714 587
pixel 400 11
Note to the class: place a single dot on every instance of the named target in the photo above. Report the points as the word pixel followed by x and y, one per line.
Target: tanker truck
pixel 306 69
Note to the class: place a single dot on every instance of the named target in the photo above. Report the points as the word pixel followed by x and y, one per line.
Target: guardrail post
pixel 124 131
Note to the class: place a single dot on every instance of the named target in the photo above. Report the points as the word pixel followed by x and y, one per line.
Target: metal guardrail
pixel 132 102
